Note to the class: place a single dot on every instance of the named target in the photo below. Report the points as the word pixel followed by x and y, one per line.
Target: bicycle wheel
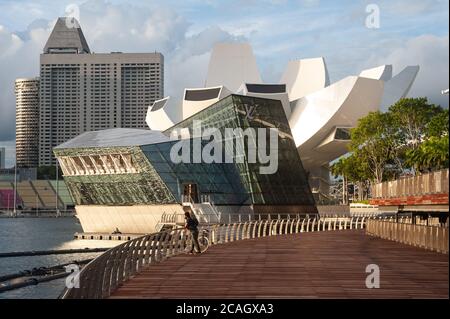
pixel 204 243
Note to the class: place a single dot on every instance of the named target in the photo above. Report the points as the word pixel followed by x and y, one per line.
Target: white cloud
pixel 10 42
pixel 112 27
pixel 277 31
pixel 431 53
pixel 18 59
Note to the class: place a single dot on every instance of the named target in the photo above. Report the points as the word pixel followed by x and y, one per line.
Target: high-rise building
pixel 85 91
pixel 27 122
pixel 2 157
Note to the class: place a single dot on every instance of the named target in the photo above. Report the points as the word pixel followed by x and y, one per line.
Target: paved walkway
pixel 307 265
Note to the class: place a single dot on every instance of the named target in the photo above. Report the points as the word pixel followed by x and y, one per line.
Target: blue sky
pixel 411 32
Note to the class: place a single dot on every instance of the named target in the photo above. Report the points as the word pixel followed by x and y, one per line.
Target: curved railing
pixel 104 274
pixel 428 237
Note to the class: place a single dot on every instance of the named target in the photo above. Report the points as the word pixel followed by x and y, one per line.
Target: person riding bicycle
pixel 192 225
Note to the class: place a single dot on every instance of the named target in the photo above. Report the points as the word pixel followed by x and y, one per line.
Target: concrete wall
pixel 128 219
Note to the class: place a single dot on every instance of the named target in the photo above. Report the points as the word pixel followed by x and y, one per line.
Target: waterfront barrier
pixel 429 237
pixel 36 276
pixel 424 184
pixel 51 252
pixel 107 272
pixel 32 281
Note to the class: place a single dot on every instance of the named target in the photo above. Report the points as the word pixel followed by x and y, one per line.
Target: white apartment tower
pixel 27 122
pixel 83 91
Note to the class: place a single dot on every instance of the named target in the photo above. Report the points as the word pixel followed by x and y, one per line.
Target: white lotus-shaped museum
pixel 320 114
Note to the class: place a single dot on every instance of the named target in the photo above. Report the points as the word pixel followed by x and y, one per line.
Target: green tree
pixel 438 125
pixel 431 155
pixel 48 172
pixel 352 169
pixel 374 143
pixel 433 152
pixel 339 168
pixel 413 134
pixel 411 117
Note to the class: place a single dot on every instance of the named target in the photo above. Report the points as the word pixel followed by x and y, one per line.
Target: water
pixel 25 234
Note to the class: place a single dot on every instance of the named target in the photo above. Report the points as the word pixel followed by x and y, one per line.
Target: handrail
pixel 178 218
pixel 428 237
pixel 104 274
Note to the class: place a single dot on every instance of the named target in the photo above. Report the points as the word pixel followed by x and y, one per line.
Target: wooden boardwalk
pixel 307 265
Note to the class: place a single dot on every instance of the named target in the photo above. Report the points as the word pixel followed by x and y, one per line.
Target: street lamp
pixel 57 187
pixel 15 188
pixel 443 92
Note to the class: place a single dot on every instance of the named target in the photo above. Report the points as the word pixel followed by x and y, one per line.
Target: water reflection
pixel 25 234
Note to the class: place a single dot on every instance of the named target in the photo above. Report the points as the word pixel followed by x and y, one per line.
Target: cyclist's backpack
pixel 194 222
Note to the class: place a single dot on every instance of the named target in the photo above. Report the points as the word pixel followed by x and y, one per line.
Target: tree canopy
pixel 411 136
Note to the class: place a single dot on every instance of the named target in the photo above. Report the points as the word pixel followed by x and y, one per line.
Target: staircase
pixel 205 211
pixel 167 221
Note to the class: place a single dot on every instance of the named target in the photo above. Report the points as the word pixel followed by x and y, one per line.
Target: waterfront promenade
pixel 303 265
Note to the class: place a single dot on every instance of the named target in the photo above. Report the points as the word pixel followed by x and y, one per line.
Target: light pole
pixel 8 202
pixel 57 184
pixel 15 188
pixel 443 92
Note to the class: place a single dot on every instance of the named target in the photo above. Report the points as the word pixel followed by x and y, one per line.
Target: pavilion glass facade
pixel 289 185
pixel 145 174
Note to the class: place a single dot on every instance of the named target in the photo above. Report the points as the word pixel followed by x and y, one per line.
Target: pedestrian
pixel 192 225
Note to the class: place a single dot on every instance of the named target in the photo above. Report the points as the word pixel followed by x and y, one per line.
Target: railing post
pixel 244 231
pixel 255 230
pixel 227 233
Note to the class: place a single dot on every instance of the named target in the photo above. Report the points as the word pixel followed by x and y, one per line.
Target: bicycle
pixel 203 241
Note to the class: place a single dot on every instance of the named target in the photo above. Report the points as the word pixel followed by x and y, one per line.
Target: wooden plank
pixel 307 265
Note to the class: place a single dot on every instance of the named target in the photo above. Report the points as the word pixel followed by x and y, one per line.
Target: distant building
pixel 83 91
pixel 2 157
pixel 33 195
pixel 27 122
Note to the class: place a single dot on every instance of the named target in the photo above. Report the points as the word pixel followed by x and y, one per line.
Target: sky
pixel 409 32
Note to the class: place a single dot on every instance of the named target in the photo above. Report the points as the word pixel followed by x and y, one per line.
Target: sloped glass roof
pixel 114 138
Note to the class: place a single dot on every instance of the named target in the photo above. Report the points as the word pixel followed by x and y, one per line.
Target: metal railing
pixel 431 183
pixel 428 237
pixel 205 219
pixel 104 274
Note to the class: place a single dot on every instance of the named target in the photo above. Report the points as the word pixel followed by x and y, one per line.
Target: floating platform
pixel 106 236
